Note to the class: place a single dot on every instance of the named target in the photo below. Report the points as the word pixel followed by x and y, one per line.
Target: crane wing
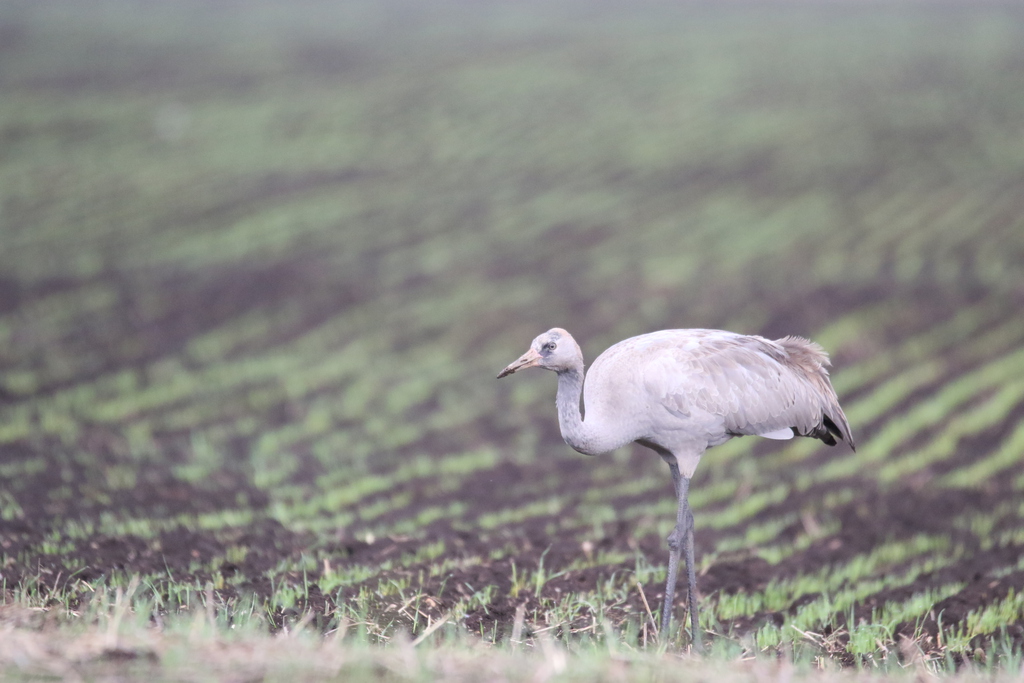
pixel 747 385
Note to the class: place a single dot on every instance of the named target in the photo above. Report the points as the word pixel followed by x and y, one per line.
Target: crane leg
pixel 681 541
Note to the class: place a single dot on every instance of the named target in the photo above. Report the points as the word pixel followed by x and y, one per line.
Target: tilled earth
pixel 53 487
pixel 243 368
pixel 900 513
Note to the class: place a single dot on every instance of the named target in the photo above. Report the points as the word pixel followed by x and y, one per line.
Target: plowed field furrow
pixel 254 292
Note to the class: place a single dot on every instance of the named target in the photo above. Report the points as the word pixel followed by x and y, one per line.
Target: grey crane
pixel 680 392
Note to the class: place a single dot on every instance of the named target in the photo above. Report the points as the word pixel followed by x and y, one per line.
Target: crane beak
pixel 528 360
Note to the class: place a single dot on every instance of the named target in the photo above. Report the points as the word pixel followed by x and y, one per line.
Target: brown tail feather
pixel 814 361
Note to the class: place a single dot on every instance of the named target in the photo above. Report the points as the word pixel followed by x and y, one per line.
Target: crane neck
pixel 570 419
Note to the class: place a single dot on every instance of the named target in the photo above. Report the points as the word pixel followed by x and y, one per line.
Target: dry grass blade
pixel 650 615
pixel 517 624
pixel 430 629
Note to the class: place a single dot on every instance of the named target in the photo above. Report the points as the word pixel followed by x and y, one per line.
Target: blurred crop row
pixel 260 267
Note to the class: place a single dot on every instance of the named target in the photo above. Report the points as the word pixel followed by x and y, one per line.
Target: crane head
pixel 554 350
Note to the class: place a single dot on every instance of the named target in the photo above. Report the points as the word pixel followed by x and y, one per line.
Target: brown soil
pixel 875 516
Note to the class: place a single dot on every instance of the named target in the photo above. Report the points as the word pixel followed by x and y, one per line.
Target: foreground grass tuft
pixel 121 634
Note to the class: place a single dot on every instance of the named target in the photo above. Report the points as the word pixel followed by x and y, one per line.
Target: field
pixel 260 263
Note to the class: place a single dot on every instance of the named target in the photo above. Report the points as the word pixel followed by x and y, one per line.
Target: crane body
pixel 680 392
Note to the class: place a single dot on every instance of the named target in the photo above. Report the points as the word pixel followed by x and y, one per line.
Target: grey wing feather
pixel 753 385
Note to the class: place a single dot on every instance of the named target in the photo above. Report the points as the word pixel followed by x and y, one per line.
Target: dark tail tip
pixel 834 432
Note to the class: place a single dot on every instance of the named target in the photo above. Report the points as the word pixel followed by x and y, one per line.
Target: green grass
pixel 258 270
pixel 115 633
